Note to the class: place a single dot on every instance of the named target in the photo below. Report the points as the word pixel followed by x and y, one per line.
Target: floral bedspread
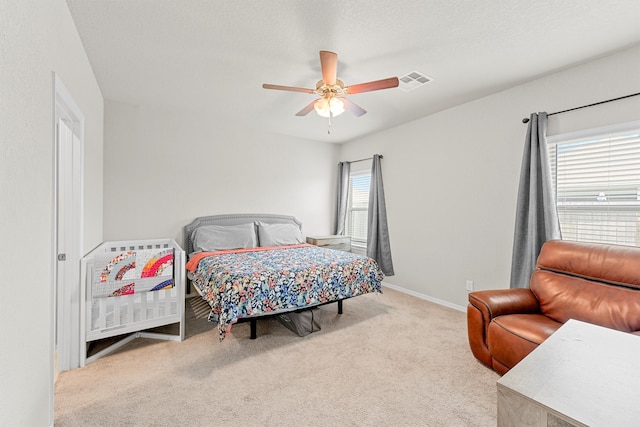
pixel 245 283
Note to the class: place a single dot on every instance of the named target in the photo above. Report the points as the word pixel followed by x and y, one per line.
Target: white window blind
pixel 597 182
pixel 359 183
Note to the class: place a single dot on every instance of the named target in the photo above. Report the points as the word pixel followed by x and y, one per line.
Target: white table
pixel 342 243
pixel 581 375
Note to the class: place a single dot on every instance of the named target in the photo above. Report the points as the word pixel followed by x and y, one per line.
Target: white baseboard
pixel 425 297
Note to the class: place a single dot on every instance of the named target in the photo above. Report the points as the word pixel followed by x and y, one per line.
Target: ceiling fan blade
pixel 371 86
pixel 329 64
pixel 355 109
pixel 288 88
pixel 306 110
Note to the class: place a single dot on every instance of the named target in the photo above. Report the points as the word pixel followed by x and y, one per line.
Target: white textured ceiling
pixel 214 55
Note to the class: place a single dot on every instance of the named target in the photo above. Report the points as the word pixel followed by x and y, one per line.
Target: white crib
pixel 106 316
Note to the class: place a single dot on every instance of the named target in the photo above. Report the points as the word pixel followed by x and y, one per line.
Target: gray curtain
pixel 343 194
pixel 378 246
pixel 536 213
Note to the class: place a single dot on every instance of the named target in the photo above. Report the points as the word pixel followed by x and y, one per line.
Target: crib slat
pixel 156 304
pixel 116 311
pixel 143 306
pixel 131 308
pixel 167 302
pixel 102 313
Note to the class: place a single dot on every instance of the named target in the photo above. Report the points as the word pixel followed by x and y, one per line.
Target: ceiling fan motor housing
pixel 327 91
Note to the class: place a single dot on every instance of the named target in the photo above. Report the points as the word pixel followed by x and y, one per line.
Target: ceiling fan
pixel 332 92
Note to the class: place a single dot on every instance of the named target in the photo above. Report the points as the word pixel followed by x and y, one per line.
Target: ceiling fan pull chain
pixel 329 128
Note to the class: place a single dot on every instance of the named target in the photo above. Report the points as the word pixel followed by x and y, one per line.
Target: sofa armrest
pixel 494 303
pixel 486 305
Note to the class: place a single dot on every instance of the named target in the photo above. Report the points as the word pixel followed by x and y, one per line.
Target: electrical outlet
pixel 469 285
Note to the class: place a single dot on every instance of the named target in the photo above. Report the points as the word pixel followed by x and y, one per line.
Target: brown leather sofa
pixel 594 283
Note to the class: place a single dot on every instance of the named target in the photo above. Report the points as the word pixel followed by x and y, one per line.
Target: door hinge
pixel 62 257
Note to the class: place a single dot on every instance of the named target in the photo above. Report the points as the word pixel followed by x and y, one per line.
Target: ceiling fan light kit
pixel 332 92
pixel 329 107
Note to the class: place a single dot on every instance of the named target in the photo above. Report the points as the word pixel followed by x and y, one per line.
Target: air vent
pixel 413 80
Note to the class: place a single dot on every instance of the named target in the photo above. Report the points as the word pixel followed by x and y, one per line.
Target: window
pixel 358 204
pixel 596 175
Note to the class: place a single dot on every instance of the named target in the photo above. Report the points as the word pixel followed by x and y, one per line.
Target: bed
pixel 248 266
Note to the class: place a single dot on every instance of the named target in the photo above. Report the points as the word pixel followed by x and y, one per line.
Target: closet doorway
pixel 68 178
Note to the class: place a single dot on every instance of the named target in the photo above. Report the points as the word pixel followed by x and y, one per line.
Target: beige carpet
pixel 389 360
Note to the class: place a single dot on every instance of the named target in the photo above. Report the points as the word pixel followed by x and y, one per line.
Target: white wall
pixel 163 169
pixel 36 38
pixel 451 178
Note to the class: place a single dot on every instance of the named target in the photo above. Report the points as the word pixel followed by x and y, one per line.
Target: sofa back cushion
pixel 609 263
pixel 564 297
pixel 595 283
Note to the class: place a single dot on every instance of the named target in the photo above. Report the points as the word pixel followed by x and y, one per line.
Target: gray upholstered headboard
pixel 233 219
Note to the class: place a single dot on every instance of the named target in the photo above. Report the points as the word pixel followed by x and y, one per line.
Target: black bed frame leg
pixel 339 306
pixel 254 333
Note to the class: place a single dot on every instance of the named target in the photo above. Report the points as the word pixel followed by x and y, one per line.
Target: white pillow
pixel 222 237
pixel 279 234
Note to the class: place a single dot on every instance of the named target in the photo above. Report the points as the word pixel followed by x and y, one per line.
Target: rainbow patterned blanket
pixel 129 272
pixel 245 283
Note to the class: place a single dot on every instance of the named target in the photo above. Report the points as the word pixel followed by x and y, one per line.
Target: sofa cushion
pixel 608 263
pixel 564 297
pixel 510 338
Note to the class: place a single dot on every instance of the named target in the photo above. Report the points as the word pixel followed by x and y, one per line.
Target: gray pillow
pixel 279 234
pixel 222 237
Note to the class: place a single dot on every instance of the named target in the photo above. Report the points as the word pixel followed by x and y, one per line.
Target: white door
pixel 68 201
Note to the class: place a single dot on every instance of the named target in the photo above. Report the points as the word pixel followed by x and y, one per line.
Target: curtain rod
pixel 362 160
pixel 526 119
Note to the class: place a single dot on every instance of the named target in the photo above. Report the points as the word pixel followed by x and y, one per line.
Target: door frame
pixel 66 108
